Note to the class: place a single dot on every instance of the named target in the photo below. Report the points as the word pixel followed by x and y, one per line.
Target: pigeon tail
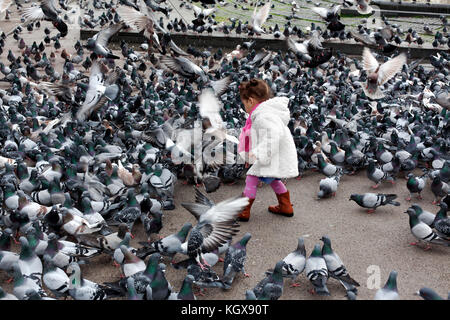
pixel 390 199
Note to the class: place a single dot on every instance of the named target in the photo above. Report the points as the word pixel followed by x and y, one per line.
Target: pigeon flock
pixel 90 149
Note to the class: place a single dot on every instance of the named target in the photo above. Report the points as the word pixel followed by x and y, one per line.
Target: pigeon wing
pixel 390 68
pixel 136 19
pixel 262 15
pixel 33 14
pixel 221 85
pixel 221 222
pixel 197 10
pixel 103 36
pixel 322 12
pixel 207 12
pixel 363 38
pixel 93 95
pixel 369 62
pixel 202 199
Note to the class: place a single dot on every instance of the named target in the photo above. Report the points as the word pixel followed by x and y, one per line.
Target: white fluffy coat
pixel 271 141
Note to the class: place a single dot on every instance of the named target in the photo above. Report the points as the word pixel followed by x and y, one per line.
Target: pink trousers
pixel 251 185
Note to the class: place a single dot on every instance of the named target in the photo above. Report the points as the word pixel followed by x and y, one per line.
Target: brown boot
pixel 245 214
pixel 284 206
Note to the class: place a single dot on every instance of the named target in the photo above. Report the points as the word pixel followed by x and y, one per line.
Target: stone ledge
pixel 349 47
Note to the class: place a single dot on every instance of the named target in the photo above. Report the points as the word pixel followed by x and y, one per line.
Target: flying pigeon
pixel 379 74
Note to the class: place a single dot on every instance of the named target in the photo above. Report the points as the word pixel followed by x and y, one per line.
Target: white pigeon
pixel 258 18
pixel 378 74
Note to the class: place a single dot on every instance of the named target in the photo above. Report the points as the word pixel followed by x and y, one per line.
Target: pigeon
pixel 362 6
pixel 29 263
pixel 184 67
pixel 271 287
pixel 130 213
pixel 389 291
pixel 336 268
pixel 46 11
pixel 375 174
pixel 84 289
pixel 428 294
pixel 98 43
pixel 326 168
pixel 439 188
pixel 331 16
pixel 311 51
pixel 161 288
pixel 23 283
pixel 145 20
pixel 423 215
pixel 423 232
pixel 186 292
pixel 259 18
pixel 373 200
pixel 316 271
pixel 441 222
pixel 131 263
pixel 328 186
pixel 415 185
pixel 294 262
pixel 101 89
pixel 54 278
pixel 167 246
pixel 131 290
pixel 216 224
pixel 234 260
pixel 379 74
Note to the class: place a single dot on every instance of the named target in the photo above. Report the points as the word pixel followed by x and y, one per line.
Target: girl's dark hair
pixel 255 88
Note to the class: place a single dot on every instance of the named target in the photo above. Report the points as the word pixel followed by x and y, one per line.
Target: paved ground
pixel 303 17
pixel 380 240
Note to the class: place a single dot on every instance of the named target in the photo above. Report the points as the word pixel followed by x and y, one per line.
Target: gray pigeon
pixel 271 287
pixel 216 225
pixel 336 268
pixel 294 262
pixel 167 246
pixel 328 186
pixel 441 222
pixel 423 232
pixel 98 43
pixel 423 215
pixel 234 260
pixel 317 272
pixel 389 291
pixel 428 294
pixel 373 200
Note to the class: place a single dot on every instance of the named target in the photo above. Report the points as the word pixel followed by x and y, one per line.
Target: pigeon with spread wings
pixel 311 51
pixel 100 90
pixel 190 70
pixel 258 18
pixel 46 11
pixel 99 42
pixel 146 20
pixel 379 74
pixel 331 16
pixel 216 224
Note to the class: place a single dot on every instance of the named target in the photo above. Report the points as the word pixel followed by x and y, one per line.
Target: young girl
pixel 266 143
